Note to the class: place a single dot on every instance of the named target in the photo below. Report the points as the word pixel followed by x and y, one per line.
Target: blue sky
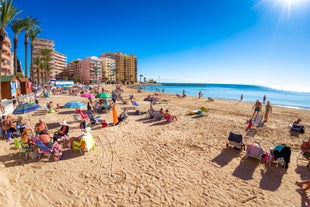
pixel 261 42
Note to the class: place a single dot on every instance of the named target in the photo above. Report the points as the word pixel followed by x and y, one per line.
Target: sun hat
pixel 64 123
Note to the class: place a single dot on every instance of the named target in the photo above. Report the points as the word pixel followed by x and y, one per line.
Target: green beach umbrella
pixel 103 95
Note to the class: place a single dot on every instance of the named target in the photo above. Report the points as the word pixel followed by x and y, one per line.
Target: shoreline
pixel 143 162
pixel 219 92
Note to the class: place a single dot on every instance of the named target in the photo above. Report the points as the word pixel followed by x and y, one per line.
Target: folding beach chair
pixel 94 119
pixel 235 140
pixel 86 143
pixel 21 147
pixel 255 151
pixel 258 120
pixel 55 151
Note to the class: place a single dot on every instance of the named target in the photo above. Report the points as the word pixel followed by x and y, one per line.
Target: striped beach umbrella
pixel 26 108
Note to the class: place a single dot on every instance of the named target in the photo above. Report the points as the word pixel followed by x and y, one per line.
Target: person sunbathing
pixel 46 139
pixel 68 142
pixel 63 131
pixel 168 116
pixel 123 116
pixel 301 183
pixel 305 147
pixel 41 127
pixel 2 108
pixel 26 137
pixel 298 127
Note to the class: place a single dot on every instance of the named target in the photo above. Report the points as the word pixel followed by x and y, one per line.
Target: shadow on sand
pixel 271 178
pixel 226 156
pixel 245 169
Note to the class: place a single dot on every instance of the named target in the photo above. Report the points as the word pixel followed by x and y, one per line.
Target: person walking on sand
pixel 268 110
pixel 257 108
pixel 199 94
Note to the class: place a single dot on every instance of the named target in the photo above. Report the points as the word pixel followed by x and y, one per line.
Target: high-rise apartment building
pixel 72 70
pixel 108 67
pixel 91 70
pixel 6 64
pixel 125 67
pixel 59 64
pixel 58 61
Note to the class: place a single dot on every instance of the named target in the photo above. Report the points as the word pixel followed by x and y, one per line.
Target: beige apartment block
pixel 58 60
pixel 59 64
pixel 108 68
pixel 6 61
pixel 125 67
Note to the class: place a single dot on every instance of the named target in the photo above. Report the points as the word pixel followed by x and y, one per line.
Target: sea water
pixel 250 93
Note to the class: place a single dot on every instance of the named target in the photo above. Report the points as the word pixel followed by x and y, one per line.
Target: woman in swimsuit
pixel 257 108
pixel 268 110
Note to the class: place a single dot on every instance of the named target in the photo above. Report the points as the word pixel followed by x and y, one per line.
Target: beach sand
pixel 142 162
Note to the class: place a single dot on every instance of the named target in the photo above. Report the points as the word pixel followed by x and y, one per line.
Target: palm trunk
pixel 2 36
pixel 15 55
pixel 31 69
pixel 26 55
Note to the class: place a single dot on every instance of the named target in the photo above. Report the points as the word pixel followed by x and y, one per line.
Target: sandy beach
pixel 143 162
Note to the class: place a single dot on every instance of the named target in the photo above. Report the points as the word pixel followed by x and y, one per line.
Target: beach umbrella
pixel 87 95
pixel 26 108
pixel 103 95
pixel 114 115
pixel 74 105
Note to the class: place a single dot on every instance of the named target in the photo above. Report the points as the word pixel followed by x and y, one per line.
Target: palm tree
pixel 7 13
pixel 28 22
pixel 46 56
pixel 16 26
pixel 37 61
pixel 33 33
pixel 76 76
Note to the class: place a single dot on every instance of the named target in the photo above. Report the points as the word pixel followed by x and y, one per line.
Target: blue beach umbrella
pixel 26 108
pixel 74 105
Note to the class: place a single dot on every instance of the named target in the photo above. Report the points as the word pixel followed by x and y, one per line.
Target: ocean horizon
pixel 251 93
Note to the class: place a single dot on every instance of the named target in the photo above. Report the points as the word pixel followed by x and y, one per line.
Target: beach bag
pixel 57 155
pixel 104 123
